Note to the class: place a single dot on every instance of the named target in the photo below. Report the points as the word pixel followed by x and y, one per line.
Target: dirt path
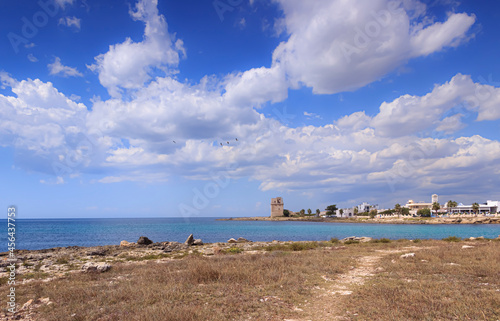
pixel 326 304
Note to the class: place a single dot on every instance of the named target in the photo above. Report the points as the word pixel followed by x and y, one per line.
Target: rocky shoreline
pixel 390 220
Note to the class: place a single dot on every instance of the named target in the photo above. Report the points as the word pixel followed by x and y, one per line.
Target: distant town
pixel 411 209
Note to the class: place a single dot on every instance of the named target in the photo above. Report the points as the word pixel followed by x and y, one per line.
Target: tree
pixel 373 213
pixel 286 213
pixel 436 207
pixel 331 209
pixel 309 211
pixel 451 204
pixel 356 210
pixel 475 208
pixel 424 212
pixel 405 210
pixel 397 209
pixel 318 212
pixel 341 211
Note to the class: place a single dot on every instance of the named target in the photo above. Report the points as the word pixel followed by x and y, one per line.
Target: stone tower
pixel 276 207
pixel 435 198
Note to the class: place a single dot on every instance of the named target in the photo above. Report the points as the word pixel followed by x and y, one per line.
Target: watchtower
pixel 277 207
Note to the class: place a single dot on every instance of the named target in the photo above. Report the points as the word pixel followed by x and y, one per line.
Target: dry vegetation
pixel 281 282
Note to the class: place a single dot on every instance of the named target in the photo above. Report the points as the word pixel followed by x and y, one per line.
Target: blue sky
pixel 119 108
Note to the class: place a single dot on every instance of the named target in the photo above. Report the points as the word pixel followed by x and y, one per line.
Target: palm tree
pixel 341 211
pixel 451 204
pixel 317 212
pixel 397 208
pixel 475 208
pixel 302 212
pixel 309 211
pixel 356 210
pixel 436 207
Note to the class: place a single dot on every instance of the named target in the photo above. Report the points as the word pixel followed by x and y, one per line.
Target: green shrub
pixel 351 242
pixel 425 212
pixel 334 240
pixel 452 239
pixel 416 241
pixel 232 250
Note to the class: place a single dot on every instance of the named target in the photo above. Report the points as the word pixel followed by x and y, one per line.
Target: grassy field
pixel 442 281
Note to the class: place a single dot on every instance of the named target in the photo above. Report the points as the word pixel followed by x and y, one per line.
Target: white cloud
pixel 32 58
pixel 58 69
pixel 336 46
pixel 128 65
pixel 70 22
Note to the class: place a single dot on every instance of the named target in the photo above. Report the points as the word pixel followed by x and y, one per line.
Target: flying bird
pixel 174 142
pixel 236 139
pixel 221 144
pixel 227 143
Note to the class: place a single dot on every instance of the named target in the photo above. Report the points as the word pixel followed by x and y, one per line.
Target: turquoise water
pixel 40 234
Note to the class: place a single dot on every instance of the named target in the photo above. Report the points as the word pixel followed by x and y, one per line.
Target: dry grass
pixel 444 282
pixel 224 287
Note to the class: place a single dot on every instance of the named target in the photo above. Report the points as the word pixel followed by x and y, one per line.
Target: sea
pixel 35 234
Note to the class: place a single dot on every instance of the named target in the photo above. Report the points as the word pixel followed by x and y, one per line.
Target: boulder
pixel 189 240
pixel 467 247
pixel 231 240
pixel 242 240
pixel 198 242
pixel 144 241
pixel 125 243
pixel 98 267
pixel 98 252
pixel 174 246
pixel 407 255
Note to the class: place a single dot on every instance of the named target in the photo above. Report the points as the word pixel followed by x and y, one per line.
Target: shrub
pixel 425 212
pixel 416 241
pixel 351 242
pixel 334 240
pixel 232 250
pixel 452 239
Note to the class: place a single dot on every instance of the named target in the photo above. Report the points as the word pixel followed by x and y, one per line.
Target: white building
pixel 490 207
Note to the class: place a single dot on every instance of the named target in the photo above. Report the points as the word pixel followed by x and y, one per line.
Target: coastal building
pixel 277 207
pixel 490 207
pixel 414 207
pixel 346 212
pixel 365 207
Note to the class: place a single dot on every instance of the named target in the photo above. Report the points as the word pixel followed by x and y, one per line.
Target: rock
pixel 27 304
pixel 96 267
pixel 174 246
pixel 467 247
pixel 407 255
pixel 480 238
pixel 99 252
pixel 357 239
pixel 190 240
pixel 472 238
pixel 198 242
pixel 242 240
pixel 144 241
pixel 231 240
pixel 125 243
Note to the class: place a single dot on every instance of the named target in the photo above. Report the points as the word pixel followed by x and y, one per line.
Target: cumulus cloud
pixel 171 127
pixel 129 65
pixel 334 46
pixel 58 69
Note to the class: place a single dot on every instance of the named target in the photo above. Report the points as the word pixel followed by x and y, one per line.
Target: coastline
pixel 367 220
